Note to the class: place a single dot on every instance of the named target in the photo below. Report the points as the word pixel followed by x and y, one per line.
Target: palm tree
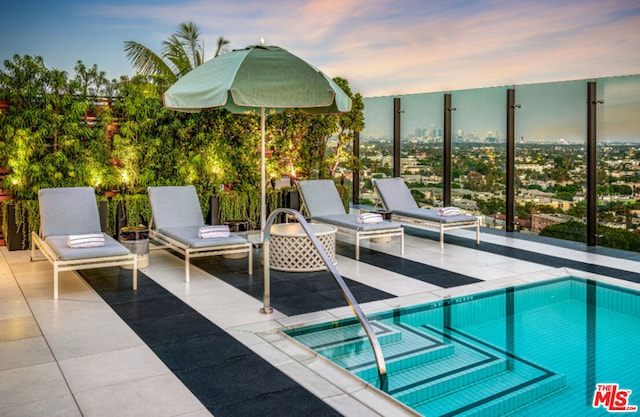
pixel 222 42
pixel 181 53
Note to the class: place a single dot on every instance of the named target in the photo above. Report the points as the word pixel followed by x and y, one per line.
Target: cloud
pixel 384 47
pixel 495 47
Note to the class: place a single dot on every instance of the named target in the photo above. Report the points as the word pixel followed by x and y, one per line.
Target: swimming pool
pixel 567 346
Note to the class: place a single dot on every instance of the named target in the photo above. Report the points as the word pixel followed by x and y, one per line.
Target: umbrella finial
pixel 261 41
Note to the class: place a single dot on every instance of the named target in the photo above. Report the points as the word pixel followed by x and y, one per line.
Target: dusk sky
pixel 381 47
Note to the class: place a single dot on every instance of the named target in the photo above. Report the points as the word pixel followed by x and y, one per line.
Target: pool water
pixel 531 350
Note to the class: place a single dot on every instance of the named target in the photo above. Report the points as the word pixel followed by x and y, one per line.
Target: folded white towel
pixel 90 240
pixel 449 211
pixel 211 232
pixel 370 218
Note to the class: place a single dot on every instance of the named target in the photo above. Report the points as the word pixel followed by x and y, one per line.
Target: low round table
pixel 291 250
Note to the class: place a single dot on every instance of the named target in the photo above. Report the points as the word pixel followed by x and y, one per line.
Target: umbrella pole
pixel 263 174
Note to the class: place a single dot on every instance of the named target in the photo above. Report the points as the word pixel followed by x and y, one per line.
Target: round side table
pixel 292 251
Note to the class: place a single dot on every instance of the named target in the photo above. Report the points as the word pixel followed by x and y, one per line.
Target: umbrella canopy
pixel 246 80
pixel 256 79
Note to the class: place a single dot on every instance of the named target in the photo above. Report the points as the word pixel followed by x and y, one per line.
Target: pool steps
pixel 438 375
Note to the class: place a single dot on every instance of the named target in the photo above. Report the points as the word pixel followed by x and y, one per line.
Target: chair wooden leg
pixel 441 237
pixel 402 244
pixel 250 259
pixel 55 281
pixel 186 266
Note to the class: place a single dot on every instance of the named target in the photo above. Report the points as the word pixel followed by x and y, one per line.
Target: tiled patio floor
pixel 77 356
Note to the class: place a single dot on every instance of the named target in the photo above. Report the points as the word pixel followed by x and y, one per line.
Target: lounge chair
pixel 323 204
pixel 397 199
pixel 176 221
pixel 66 212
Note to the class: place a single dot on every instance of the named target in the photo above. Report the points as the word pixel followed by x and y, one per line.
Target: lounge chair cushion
pixel 350 221
pixel 395 194
pixel 433 216
pixel 188 236
pixel 321 198
pixel 68 211
pixel 59 245
pixel 175 206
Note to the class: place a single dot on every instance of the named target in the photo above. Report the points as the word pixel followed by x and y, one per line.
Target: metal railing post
pixel 355 191
pixel 592 163
pixel 447 152
pixel 397 133
pixel 510 162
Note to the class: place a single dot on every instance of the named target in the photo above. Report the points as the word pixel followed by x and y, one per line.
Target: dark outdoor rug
pixel 227 377
pixel 292 293
pixel 549 260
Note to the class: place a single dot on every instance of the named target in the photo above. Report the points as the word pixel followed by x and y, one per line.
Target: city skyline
pixel 381 47
pixel 552 112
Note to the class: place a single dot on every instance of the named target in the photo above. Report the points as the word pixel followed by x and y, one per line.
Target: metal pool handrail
pixel 267 309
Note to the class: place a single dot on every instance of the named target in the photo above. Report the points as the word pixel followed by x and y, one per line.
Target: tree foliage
pixel 609 236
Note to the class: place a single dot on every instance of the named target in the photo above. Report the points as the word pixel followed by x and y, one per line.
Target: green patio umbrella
pixel 256 79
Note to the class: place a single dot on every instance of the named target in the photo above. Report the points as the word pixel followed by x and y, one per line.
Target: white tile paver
pixel 31 383
pixel 158 396
pixel 74 343
pixel 57 406
pixel 17 328
pixel 24 352
pixel 110 368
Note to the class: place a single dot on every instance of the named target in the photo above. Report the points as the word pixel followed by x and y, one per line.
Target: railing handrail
pixel 353 304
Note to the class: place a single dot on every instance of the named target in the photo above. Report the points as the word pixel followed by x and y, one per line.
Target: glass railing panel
pixel 376 145
pixel 550 157
pixel 421 146
pixel 618 185
pixel 478 150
